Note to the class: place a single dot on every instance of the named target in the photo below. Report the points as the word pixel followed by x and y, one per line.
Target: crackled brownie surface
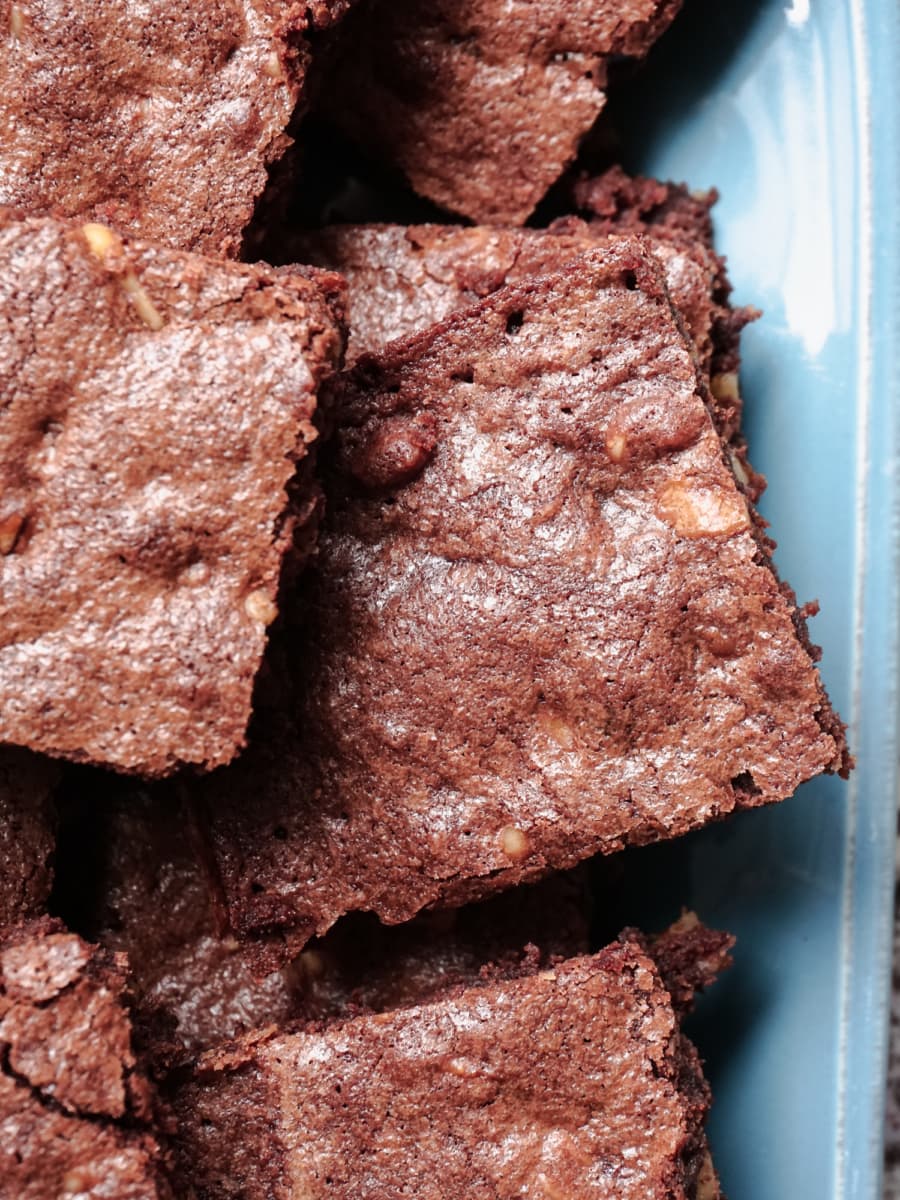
pixel 540 624
pixel 574 1082
pixel 71 1100
pixel 27 834
pixel 404 278
pixel 155 406
pixel 158 119
pixel 482 103
pixel 136 876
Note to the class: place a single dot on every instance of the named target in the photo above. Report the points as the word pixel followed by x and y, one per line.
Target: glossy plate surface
pixel 792 111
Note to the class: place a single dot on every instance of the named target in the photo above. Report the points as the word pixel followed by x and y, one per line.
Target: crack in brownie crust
pixel 72 1103
pixel 154 407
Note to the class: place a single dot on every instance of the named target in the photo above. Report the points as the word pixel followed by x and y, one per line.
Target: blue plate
pixel 792 112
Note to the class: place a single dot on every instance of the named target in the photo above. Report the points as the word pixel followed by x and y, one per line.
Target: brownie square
pixel 161 121
pixel 27 834
pixel 575 1081
pixel 155 407
pixel 542 622
pixel 482 103
pixel 73 1106
pixel 135 875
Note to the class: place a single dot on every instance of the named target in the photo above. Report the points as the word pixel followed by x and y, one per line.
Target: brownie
pixel 482 104
pixel 404 278
pixel 27 834
pixel 688 955
pixel 73 1108
pixel 136 876
pixel 155 407
pixel 541 623
pixel 161 121
pixel 575 1081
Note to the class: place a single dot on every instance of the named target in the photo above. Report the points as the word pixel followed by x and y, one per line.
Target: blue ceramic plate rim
pixel 793 108
pixel 874 721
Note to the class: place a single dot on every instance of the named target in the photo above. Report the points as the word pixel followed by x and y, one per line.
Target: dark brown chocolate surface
pixel 27 834
pixel 575 1082
pixel 155 405
pixel 540 623
pixel 482 103
pixel 616 202
pixel 402 279
pixel 71 1101
pixel 160 120
pixel 135 875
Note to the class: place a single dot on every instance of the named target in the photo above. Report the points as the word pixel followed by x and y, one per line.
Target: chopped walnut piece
pixel 10 528
pixel 514 842
pixel 616 447
pixel 260 608
pixel 103 243
pixel 696 508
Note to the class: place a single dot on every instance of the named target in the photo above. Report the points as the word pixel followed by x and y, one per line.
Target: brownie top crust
pixel 156 118
pixel 72 1102
pixel 574 1082
pixel 540 623
pixel 482 103
pixel 154 408
pixel 402 279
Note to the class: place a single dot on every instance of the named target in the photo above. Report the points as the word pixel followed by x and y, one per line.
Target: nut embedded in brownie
pixel 482 103
pixel 156 405
pixel 159 120
pixel 74 1109
pixel 574 1081
pixel 541 623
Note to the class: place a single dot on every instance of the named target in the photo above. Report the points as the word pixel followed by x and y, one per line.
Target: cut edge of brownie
pixel 28 825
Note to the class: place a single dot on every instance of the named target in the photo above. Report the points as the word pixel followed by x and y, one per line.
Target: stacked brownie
pixel 160 121
pixel 350 605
